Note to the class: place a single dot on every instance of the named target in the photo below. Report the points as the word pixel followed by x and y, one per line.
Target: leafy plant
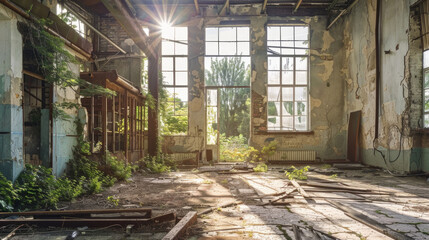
pixel 37 188
pixel 7 194
pixel 113 200
pixel 68 189
pixel 300 174
pixel 158 164
pixel 117 168
pixel 262 167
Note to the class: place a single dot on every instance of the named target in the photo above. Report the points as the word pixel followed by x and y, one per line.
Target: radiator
pixel 293 156
pixel 182 156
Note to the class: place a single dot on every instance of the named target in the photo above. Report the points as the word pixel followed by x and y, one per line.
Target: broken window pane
pixel 274 123
pixel 273 108
pixel 181 108
pixel 300 108
pixel 274 94
pixel 301 123
pixel 287 48
pixel 301 94
pixel 426 98
pixel 287 109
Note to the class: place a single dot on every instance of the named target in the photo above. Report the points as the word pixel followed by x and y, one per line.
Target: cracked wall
pixel 400 61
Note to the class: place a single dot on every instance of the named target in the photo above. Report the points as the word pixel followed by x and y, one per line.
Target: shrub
pixel 158 164
pixel 7 194
pixel 37 188
pixel 117 168
pixel 69 189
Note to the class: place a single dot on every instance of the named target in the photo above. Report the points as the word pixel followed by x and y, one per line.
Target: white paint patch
pixel 329 67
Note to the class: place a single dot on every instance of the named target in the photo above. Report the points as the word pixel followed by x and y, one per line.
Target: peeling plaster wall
pixel 399 68
pixel 11 128
pixel 328 118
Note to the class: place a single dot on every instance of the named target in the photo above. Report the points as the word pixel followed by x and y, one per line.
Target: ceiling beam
pixel 197 7
pixel 225 9
pixel 298 3
pixel 344 11
pixel 264 7
pixel 82 19
pixel 129 24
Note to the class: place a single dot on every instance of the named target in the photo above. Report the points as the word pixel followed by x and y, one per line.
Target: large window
pixel 175 80
pixel 426 89
pixel 288 71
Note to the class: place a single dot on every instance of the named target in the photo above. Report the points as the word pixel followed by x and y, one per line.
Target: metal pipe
pixel 377 66
pixel 81 18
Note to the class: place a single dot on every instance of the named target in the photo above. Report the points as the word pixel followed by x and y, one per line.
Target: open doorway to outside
pixel 227 81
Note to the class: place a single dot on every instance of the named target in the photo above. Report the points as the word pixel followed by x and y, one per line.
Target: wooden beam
pixel 126 105
pixel 104 123
pixel 264 7
pixel 344 11
pixel 225 9
pixel 180 228
pixel 153 83
pixel 298 3
pixel 76 212
pixel 300 189
pixel 197 7
pixel 122 15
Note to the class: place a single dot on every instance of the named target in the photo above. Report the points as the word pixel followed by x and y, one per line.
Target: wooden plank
pixel 369 221
pixel 76 212
pixel 180 228
pixel 113 124
pixel 280 198
pixel 324 185
pixel 300 189
pixel 76 222
pixel 209 210
pixel 104 124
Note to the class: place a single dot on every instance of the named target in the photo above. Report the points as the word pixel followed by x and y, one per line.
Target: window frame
pixel 173 71
pixel 294 85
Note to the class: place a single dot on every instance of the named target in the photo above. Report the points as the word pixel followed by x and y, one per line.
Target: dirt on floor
pixel 399 203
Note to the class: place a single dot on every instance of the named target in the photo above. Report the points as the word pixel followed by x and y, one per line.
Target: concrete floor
pixel 404 209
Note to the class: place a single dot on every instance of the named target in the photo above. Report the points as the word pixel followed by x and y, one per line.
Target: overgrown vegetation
pixel 262 167
pixel 158 164
pixel 295 173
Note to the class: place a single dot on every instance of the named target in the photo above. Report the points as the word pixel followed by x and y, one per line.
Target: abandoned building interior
pixel 214 119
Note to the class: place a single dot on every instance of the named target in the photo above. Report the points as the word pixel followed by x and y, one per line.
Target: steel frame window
pixel 426 89
pixel 175 69
pixel 288 78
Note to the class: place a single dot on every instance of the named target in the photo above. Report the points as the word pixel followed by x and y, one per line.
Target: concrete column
pixel 11 80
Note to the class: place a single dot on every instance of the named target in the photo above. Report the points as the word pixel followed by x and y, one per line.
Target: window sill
pixel 286 133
